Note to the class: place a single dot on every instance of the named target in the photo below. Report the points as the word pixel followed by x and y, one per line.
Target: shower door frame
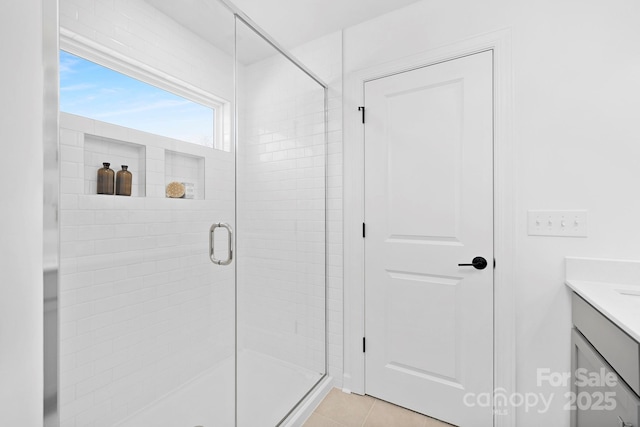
pixel 51 271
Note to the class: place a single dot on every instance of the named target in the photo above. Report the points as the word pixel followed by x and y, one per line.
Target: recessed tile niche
pixel 185 168
pixel 98 149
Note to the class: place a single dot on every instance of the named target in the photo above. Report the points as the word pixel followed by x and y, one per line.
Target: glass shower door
pixel 198 300
pixel 147 321
pixel 280 193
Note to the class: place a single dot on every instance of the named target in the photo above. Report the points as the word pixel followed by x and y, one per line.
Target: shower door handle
pixel 212 230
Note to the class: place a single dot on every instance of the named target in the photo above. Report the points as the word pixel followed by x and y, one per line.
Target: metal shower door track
pixel 259 31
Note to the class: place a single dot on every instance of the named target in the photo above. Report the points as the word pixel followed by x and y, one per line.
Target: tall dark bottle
pixel 105 179
pixel 123 182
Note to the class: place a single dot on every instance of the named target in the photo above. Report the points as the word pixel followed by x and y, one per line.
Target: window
pixel 91 90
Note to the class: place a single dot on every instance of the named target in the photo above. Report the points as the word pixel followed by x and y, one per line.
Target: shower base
pixel 268 389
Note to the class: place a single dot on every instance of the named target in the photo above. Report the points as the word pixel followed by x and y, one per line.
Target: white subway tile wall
pixel 143 310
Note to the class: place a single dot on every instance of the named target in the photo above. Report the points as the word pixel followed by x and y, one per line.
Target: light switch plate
pixel 557 223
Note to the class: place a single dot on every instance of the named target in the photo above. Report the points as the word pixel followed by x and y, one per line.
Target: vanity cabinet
pixel 605 371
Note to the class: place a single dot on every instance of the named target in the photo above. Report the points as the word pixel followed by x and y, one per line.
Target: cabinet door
pixel 614 345
pixel 599 405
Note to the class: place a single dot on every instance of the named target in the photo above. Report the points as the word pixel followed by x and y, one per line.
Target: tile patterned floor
pixel 341 409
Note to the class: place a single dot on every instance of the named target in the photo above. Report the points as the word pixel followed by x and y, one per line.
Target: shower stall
pixel 200 299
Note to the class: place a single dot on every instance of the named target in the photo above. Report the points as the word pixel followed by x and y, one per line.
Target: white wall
pixel 21 215
pixel 576 100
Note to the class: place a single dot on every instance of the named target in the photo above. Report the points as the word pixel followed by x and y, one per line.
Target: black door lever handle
pixel 478 263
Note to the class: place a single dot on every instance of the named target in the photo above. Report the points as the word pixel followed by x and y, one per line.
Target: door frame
pixel 504 209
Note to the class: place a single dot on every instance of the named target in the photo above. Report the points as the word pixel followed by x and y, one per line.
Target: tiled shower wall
pixel 281 208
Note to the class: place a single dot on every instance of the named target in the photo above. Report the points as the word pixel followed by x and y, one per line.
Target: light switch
pixel 557 223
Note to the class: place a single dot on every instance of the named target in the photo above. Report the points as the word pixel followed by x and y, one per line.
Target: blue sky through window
pixel 91 90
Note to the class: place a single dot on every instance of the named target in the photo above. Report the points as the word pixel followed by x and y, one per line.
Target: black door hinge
pixel 364 234
pixel 361 109
pixel 494 263
pixel 364 347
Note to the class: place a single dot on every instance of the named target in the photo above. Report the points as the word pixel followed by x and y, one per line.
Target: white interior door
pixel 428 208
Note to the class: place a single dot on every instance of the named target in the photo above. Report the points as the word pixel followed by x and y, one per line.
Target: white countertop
pixel 611 286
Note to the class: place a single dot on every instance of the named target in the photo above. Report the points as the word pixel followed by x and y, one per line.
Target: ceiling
pixel 290 22
pixel 294 22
